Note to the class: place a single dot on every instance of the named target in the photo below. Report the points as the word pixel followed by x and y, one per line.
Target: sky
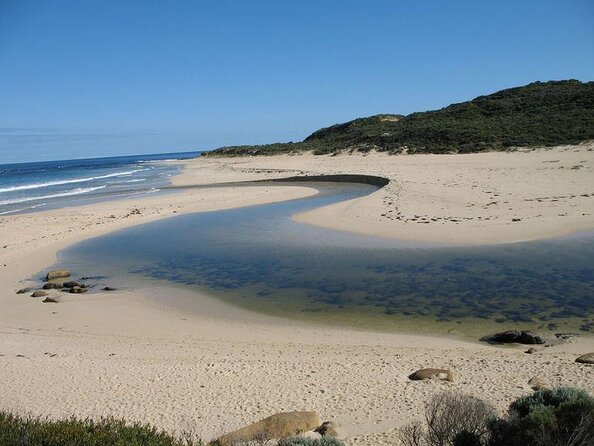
pixel 87 78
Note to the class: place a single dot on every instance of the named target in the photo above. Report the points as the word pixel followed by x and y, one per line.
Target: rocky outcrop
pixel 39 293
pixel 281 425
pixel 442 374
pixel 513 336
pixel 588 358
pixel 57 274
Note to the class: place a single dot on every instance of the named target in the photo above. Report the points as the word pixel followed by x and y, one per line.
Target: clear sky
pixel 85 78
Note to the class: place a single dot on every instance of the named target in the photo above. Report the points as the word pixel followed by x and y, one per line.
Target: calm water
pixel 35 186
pixel 259 258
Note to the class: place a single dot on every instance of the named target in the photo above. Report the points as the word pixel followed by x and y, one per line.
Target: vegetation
pixel 562 416
pixel 16 430
pixel 539 114
pixel 26 431
pixel 298 441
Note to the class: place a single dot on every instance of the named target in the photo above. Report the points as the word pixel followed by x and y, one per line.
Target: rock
pixel 588 358
pixel 530 350
pixel 50 300
pixel 108 288
pixel 281 425
pixel 78 290
pixel 513 336
pixel 527 337
pixel 442 374
pixel 24 290
pixel 39 293
pixel 327 429
pixel 57 274
pixel 72 284
pixel 536 383
pixel 53 286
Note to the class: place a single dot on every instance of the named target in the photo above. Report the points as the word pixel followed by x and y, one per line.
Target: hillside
pixel 539 114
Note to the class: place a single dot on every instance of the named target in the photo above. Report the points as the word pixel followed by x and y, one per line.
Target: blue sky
pixel 87 78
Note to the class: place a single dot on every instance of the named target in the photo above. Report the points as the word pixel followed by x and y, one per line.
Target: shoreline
pixel 123 354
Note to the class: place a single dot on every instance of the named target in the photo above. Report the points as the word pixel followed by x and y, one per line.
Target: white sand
pixel 215 369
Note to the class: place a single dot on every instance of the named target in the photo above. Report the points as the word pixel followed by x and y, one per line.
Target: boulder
pixel 527 337
pixel 588 358
pixel 513 336
pixel 281 425
pixel 537 383
pixel 71 284
pixel 39 293
pixel 50 300
pixel 57 274
pixel 327 429
pixel 422 374
pixel 78 290
pixel 53 286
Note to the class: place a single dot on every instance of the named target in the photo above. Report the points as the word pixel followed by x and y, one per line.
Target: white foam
pixel 22 209
pixel 63 194
pixel 75 180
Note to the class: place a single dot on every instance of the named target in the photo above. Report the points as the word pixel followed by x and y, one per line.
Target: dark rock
pixel 530 350
pixel 53 286
pixel 24 290
pixel 39 293
pixel 327 429
pixel 566 336
pixel 513 336
pixel 57 274
pixel 50 300
pixel 71 284
pixel 108 288
pixel 78 290
pixel 442 374
pixel 527 337
pixel 588 358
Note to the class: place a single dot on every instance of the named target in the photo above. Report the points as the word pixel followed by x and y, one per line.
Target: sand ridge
pixel 481 198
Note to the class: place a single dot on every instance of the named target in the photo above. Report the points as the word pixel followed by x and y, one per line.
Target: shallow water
pixel 258 257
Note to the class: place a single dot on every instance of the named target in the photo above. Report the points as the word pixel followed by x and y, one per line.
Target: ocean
pixel 27 187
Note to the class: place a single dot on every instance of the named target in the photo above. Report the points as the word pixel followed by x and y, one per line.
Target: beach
pixel 121 354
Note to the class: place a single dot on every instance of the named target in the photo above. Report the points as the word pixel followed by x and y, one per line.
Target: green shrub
pixel 562 416
pixel 17 430
pixel 549 398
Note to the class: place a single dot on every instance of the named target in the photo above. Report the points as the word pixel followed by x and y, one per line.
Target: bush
pixel 557 417
pixel 452 419
pixel 562 416
pixel 16 430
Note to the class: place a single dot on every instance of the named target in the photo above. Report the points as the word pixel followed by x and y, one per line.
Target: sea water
pixel 25 187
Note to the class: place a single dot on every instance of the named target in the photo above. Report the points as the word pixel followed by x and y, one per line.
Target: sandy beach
pixel 217 369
